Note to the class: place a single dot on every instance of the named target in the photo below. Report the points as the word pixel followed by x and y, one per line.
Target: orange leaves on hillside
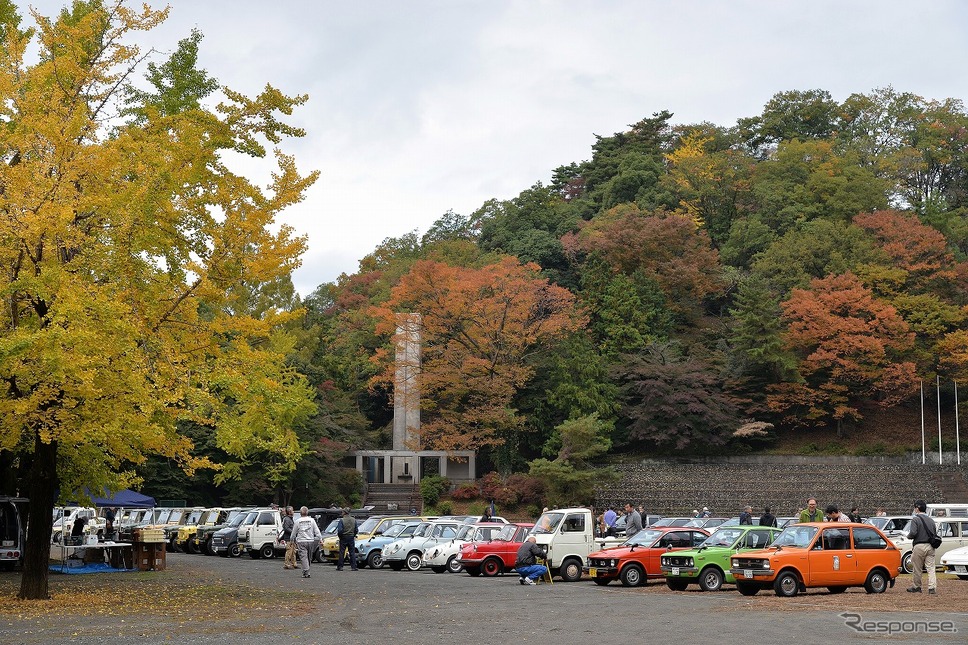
pixel 667 248
pixel 916 248
pixel 480 328
pixel 846 339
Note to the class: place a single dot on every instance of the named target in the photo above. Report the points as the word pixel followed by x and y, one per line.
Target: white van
pixel 953 532
pixel 261 537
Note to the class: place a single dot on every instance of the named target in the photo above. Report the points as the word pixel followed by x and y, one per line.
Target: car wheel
pixel 439 569
pixel 711 579
pixel 786 584
pixel 473 571
pixel 209 549
pixel 601 582
pixel 747 589
pixel 631 576
pixel 908 562
pixel 453 565
pixel 374 559
pixel 877 581
pixel 173 546
pixel 676 584
pixel 570 570
pixel 235 550
pixel 838 589
pixel 267 551
pixel 413 562
pixel 492 567
pixel 192 547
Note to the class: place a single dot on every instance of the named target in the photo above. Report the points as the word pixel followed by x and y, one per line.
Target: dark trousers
pixel 347 542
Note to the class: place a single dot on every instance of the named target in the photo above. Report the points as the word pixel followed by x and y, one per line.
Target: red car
pixel 496 555
pixel 637 559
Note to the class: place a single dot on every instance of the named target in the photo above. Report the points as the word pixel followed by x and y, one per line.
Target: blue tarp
pixel 124 498
pixel 87 568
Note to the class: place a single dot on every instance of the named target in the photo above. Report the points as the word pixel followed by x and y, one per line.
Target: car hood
pixel 618 552
pixel 709 551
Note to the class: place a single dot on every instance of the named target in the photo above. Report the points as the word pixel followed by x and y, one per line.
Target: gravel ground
pixel 219 600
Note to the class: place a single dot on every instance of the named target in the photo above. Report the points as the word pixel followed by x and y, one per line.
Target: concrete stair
pixel 393 498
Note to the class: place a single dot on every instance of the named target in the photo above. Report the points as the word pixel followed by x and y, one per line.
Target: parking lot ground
pixel 221 600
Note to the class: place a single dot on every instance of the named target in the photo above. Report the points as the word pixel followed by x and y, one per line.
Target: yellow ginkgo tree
pixel 129 256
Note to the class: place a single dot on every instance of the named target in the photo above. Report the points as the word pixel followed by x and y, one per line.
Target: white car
pixel 951 530
pixel 409 551
pixel 956 562
pixel 443 556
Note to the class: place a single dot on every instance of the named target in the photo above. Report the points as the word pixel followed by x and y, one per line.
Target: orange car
pixel 636 560
pixel 835 555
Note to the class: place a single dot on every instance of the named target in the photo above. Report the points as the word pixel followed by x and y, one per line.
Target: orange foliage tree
pixel 481 328
pixel 667 248
pixel 848 343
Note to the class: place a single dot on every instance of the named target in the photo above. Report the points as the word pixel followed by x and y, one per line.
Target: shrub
pixel 530 490
pixel 466 491
pixel 431 488
pixel 445 508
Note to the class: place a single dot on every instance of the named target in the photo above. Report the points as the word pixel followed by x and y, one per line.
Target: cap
pixel 705 508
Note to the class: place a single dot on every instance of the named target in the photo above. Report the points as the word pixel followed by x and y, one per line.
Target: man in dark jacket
pixel 285 536
pixel 346 530
pixel 922 530
pixel 767 518
pixel 526 563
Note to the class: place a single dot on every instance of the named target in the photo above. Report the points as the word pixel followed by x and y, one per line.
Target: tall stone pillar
pixel 406 383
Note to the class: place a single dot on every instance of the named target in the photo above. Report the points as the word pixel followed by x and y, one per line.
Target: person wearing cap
pixel 346 530
pixel 705 512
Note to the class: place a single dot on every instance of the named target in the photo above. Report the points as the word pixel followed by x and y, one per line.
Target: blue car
pixel 369 551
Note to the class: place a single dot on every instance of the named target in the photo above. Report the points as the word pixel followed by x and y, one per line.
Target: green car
pixel 708 564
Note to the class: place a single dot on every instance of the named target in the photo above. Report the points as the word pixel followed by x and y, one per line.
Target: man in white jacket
pixel 306 535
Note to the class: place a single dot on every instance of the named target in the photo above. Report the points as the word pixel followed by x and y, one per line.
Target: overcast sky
pixel 417 107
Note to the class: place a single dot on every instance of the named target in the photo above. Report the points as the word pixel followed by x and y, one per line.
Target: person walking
pixel 306 533
pixel 767 518
pixel 923 530
pixel 811 513
pixel 346 530
pixel 526 562
pixel 285 536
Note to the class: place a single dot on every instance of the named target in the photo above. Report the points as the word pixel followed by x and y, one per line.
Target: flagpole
pixel 938 390
pixel 923 446
pixel 957 429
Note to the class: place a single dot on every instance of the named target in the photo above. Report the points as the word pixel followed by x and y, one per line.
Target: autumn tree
pixel 673 401
pixel 480 330
pixel 849 345
pixel 129 251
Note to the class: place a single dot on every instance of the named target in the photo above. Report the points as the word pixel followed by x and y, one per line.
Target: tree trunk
pixel 42 491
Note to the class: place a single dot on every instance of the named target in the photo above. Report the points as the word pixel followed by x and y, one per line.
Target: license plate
pixel 960 568
pixel 675 571
pixel 747 573
pixel 593 572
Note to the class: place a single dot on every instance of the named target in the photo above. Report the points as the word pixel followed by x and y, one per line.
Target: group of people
pixel 633 523
pixel 301 535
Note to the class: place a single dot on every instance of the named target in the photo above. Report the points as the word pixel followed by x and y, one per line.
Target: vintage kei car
pixel 443 557
pixel 637 559
pixel 498 555
pixel 956 562
pixel 835 555
pixel 708 565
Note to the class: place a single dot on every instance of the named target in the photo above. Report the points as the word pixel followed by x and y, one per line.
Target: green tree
pixel 571 478
pixel 128 258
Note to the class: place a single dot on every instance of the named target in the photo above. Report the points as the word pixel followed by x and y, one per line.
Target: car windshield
pixel 695 523
pixel 643 538
pixel 368 525
pixel 796 535
pixel 394 530
pixel 507 533
pixel 194 517
pixel 423 530
pixel 547 523
pixel 879 522
pixel 466 532
pixel 331 527
pixel 723 537
pixel 238 519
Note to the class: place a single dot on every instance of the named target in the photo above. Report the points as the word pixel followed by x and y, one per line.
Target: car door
pixel 870 549
pixel 831 560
